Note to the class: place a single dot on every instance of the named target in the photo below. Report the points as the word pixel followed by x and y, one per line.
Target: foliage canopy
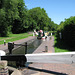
pixel 67 28
pixel 16 18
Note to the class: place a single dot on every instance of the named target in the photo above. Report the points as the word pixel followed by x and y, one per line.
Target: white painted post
pixel 51 34
pixel 60 35
pixel 4 42
pixel 33 33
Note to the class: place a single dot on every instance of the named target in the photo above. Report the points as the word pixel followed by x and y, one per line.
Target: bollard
pixel 60 35
pixel 25 47
pixel 4 42
pixel 10 47
pixel 51 34
pixel 50 37
pixel 46 48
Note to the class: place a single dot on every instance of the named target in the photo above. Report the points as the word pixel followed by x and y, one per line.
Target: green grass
pixel 60 50
pixel 14 37
pixel 59 45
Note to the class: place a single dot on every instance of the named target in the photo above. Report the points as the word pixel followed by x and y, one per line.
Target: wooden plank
pixel 66 57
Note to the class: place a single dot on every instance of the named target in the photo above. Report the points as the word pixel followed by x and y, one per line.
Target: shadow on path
pixel 46 71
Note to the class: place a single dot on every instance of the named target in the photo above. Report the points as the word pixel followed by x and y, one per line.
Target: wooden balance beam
pixel 66 57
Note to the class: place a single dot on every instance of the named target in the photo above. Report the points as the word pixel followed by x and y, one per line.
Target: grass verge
pixel 14 37
pixel 59 45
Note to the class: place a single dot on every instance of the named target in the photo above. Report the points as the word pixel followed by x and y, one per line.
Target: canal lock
pixel 32 45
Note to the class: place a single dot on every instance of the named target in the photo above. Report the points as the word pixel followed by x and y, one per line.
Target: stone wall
pixel 3 68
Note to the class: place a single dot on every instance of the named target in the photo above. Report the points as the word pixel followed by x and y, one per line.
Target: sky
pixel 57 10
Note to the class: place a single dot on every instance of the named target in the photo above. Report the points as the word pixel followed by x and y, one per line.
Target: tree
pixel 8 14
pixel 67 28
pixel 16 18
pixel 3 23
pixel 19 23
pixel 40 17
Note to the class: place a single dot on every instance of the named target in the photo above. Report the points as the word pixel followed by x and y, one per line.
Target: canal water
pixel 32 45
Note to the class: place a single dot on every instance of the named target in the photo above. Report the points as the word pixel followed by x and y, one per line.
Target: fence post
pixel 25 47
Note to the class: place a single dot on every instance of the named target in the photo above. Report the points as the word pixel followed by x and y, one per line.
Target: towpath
pixel 5 47
pixel 48 68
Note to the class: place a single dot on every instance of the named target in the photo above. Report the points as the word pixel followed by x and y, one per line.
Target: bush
pixel 67 29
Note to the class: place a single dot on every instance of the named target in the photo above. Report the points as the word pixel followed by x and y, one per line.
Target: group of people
pixel 41 34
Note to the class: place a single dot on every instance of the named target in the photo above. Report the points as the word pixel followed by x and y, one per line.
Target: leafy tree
pixel 3 24
pixel 38 16
pixel 8 14
pixel 16 18
pixel 67 28
pixel 19 23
